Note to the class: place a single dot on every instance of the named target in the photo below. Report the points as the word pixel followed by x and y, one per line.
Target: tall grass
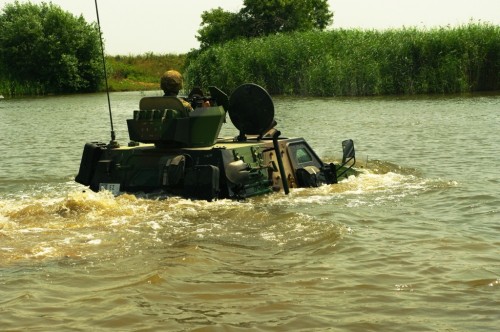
pixel 357 62
pixel 140 72
pixel 10 88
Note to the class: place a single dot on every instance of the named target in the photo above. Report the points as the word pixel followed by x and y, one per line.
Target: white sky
pixel 161 26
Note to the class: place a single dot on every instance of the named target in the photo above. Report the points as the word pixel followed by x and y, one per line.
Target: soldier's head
pixel 171 82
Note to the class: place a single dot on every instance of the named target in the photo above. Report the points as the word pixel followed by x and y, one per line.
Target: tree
pixel 272 16
pixel 263 17
pixel 219 26
pixel 44 47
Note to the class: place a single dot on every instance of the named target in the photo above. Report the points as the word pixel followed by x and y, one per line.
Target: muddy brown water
pixel 412 244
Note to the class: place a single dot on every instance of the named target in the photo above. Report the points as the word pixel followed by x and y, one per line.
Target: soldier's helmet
pixel 171 82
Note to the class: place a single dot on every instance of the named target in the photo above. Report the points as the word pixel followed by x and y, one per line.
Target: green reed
pixel 357 62
pixel 9 88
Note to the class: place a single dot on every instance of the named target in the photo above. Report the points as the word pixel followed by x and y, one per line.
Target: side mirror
pixel 348 150
pixel 348 158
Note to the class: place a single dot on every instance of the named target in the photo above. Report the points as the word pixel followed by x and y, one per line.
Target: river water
pixel 412 244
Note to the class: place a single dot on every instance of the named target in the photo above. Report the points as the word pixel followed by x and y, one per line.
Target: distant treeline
pixel 356 62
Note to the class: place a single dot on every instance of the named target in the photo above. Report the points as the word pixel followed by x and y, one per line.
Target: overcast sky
pixel 161 26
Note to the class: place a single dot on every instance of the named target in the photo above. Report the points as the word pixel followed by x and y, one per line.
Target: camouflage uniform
pixel 171 83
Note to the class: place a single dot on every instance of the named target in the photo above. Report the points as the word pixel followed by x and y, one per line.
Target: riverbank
pixel 406 61
pixel 124 72
pixel 141 72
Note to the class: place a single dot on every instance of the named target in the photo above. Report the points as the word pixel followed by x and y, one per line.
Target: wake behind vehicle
pixel 178 152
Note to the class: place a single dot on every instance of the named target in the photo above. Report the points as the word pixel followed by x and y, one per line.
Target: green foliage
pixel 46 50
pixel 140 72
pixel 219 26
pixel 356 62
pixel 271 16
pixel 262 18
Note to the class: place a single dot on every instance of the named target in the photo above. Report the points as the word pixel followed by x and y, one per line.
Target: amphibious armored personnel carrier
pixel 178 152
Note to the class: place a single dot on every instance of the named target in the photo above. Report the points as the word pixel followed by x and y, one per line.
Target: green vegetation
pixel 260 18
pixel 46 50
pixel 356 62
pixel 140 72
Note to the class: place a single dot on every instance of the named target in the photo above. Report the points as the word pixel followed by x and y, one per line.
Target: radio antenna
pixel 113 137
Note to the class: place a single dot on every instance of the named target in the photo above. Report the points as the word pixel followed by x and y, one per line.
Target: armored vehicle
pixel 179 152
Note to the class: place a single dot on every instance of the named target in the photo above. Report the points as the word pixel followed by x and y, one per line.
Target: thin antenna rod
pixel 105 73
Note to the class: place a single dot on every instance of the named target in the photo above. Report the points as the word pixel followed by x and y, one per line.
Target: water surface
pixel 409 245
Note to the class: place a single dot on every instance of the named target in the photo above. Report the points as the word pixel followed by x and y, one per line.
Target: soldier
pixel 171 83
